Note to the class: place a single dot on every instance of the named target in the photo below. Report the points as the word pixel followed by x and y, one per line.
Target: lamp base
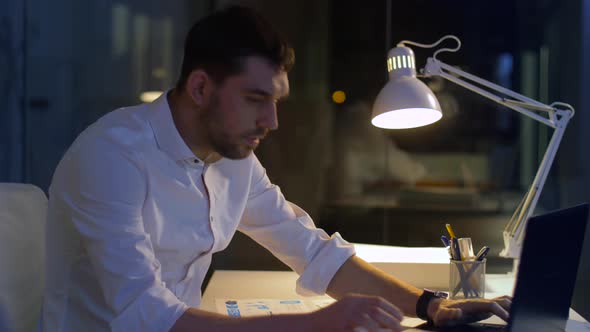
pixel 511 247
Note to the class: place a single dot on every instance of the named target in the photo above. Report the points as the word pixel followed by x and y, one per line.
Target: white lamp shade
pixel 405 102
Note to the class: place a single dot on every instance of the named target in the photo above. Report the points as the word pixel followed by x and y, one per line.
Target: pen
pixel 447 244
pixel 450 230
pixel 455 250
pixel 445 241
pixel 481 255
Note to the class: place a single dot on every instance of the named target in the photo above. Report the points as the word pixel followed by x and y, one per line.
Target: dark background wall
pixel 12 90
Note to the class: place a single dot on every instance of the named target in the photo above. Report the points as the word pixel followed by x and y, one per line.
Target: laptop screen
pixel 547 271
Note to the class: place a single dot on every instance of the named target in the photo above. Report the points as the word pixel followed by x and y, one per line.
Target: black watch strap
pixel 424 300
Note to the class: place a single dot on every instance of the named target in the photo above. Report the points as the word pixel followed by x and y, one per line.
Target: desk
pixel 281 285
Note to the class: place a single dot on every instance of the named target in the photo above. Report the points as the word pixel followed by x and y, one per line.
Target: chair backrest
pixel 23 209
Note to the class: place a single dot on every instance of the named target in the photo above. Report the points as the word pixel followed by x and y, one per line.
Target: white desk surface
pixel 281 285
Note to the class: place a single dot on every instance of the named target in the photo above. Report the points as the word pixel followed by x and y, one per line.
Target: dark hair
pixel 219 43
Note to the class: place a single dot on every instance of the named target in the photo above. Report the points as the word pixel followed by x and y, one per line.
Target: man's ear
pixel 199 86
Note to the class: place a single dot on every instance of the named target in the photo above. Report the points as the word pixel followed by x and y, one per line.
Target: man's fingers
pixel 363 313
pixel 505 302
pixel 390 308
pixel 379 315
pixel 487 306
pixel 499 311
pixel 385 319
pixel 467 311
pixel 379 302
pixel 369 322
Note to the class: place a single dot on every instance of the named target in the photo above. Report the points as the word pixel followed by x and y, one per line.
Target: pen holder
pixel 467 279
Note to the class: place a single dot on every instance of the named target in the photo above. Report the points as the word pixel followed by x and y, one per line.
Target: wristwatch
pixel 424 300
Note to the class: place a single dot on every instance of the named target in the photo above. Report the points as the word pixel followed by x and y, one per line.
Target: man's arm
pixel 358 276
pixel 100 191
pixel 349 312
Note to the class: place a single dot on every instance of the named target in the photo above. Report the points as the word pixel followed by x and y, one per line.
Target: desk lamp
pixel 406 102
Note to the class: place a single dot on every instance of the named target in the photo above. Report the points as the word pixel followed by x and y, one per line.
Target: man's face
pixel 243 109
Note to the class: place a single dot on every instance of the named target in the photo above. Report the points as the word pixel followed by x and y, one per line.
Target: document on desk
pixel 268 307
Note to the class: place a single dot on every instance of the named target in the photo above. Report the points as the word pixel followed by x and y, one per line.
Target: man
pixel 147 194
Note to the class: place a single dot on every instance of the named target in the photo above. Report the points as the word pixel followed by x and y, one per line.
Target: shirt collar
pixel 167 135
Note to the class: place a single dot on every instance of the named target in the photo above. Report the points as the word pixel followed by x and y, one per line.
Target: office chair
pixel 23 209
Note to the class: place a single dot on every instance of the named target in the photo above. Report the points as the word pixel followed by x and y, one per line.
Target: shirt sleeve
pixel 104 192
pixel 290 234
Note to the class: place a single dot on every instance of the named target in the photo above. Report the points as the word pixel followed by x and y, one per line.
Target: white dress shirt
pixel 134 218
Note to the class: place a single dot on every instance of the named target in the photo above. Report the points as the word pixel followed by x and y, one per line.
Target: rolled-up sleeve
pixel 105 192
pixel 290 234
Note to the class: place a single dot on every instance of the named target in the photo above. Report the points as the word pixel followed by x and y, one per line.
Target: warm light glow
pixel 149 96
pixel 406 118
pixel 339 97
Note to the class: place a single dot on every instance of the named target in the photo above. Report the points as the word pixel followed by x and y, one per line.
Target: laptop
pixel 546 275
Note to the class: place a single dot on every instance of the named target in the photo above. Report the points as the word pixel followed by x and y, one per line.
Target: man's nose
pixel 267 118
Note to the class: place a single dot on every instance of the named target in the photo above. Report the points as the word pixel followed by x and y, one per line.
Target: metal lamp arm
pixel 519 103
pixel 556 119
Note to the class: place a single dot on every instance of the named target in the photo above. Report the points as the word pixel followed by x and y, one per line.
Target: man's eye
pixel 254 100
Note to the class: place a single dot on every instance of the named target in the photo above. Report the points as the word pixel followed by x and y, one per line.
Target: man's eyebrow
pixel 265 93
pixel 258 91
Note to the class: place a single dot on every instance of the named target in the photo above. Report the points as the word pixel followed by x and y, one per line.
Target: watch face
pixel 439 294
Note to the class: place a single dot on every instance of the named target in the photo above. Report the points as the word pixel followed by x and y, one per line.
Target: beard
pixel 225 144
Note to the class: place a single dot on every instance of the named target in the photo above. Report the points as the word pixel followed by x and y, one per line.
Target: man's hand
pixel 455 312
pixel 358 313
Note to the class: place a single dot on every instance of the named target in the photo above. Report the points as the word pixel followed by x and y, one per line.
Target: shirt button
pixel 211 218
pixel 196 161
